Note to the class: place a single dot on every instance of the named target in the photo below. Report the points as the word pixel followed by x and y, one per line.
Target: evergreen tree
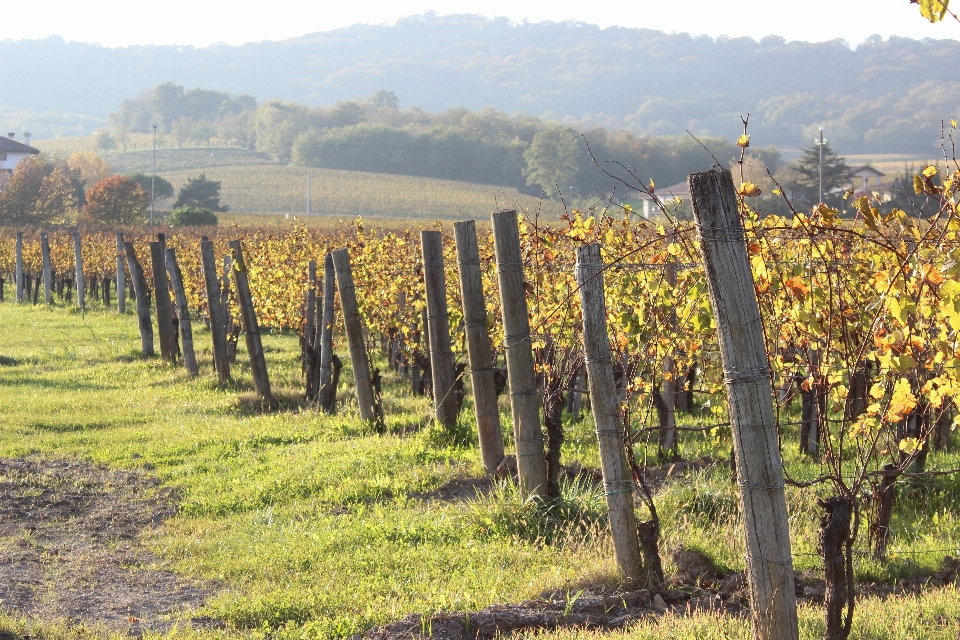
pixel 200 193
pixel 162 188
pixel 804 181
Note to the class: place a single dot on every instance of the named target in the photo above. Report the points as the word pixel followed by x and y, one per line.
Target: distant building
pixel 865 176
pixel 12 152
pixel 867 181
pixel 679 190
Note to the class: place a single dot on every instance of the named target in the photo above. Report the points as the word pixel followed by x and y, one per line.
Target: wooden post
pixel 121 278
pixel 479 349
pixel 354 331
pixel 617 481
pixel 327 391
pixel 143 299
pixel 18 273
pixel 747 376
pixel 248 316
pixel 531 465
pixel 47 269
pixel 161 293
pixel 78 262
pixel 183 312
pixel 438 325
pixel 218 325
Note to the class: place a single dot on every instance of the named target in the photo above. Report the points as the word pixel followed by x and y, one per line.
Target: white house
pixel 12 152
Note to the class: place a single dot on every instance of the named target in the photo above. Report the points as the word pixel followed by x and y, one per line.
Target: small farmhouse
pixel 866 181
pixel 12 152
pixel 865 176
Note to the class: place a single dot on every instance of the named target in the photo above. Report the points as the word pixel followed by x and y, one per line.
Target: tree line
pixel 881 96
pixel 83 188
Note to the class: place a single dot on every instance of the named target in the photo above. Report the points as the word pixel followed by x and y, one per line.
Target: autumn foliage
pixel 116 200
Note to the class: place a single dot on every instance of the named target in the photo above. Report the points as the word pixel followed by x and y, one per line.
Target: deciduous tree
pixel 40 193
pixel 90 167
pixel 552 159
pixel 116 200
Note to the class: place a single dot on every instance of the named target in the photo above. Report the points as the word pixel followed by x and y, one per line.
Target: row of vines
pixel 861 318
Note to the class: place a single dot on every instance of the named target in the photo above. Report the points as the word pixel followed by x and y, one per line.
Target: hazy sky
pixel 202 22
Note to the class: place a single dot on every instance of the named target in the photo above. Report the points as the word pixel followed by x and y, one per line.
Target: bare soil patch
pixel 70 549
pixel 600 607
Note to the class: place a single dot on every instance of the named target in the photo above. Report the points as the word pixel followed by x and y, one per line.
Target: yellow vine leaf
pixel 930 171
pixel 902 402
pixel 871 216
pixel 934 276
pixel 797 287
pixel 749 190
pixel 917 185
pixel 933 10
pixel 743 141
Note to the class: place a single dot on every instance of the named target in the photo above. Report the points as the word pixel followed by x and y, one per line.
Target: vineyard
pixel 779 433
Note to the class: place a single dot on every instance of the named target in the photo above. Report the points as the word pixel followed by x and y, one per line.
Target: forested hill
pixel 882 96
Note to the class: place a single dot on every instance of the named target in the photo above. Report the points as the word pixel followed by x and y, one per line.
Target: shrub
pixel 192 217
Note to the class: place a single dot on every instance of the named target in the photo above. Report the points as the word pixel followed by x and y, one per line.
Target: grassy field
pixel 312 526
pixel 253 184
pixel 893 164
pixel 278 189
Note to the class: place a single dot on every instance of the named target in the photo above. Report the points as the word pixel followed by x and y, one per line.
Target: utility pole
pixel 822 141
pixel 153 176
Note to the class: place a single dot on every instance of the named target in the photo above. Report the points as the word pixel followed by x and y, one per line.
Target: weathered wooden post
pixel 143 299
pixel 121 278
pixel 248 316
pixel 47 269
pixel 747 376
pixel 479 349
pixel 161 293
pixel 531 465
pixel 218 325
pixel 183 313
pixel 18 273
pixel 438 324
pixel 327 392
pixel 78 262
pixel 354 331
pixel 617 480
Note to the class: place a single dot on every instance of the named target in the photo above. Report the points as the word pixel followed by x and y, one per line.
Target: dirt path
pixel 69 546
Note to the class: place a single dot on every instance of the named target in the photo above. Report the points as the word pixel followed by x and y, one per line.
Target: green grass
pixel 309 521
pixel 315 526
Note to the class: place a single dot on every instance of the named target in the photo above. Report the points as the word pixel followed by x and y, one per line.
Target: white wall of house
pixel 10 159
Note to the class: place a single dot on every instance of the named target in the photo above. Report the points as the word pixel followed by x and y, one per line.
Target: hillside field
pixel 252 184
pixel 278 189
